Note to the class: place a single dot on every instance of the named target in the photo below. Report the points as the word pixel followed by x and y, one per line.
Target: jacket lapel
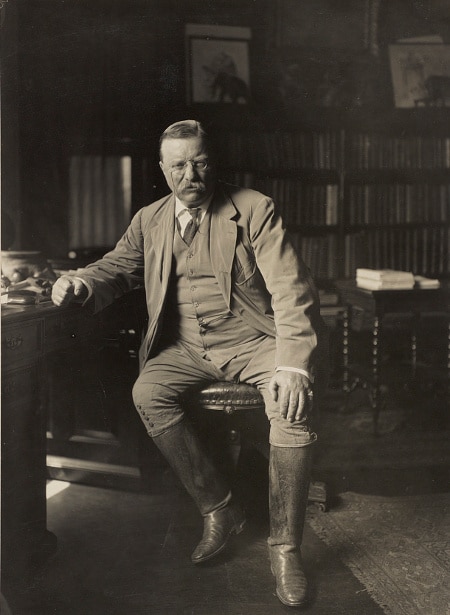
pixel 223 236
pixel 162 239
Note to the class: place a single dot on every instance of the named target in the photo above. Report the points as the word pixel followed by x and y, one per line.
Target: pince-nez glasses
pixel 197 165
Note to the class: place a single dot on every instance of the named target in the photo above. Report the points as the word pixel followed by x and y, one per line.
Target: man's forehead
pixel 179 147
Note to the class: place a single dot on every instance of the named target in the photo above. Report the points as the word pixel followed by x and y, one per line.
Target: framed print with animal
pixel 217 64
pixel 420 75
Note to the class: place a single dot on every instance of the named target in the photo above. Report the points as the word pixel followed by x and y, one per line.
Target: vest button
pixel 193 288
pixel 191 272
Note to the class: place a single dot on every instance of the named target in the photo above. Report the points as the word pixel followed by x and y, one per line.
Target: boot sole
pixel 284 601
pixel 237 529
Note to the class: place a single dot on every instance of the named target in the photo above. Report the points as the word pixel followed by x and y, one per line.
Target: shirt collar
pixel 179 207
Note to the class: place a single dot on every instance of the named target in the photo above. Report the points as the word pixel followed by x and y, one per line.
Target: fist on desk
pixel 68 289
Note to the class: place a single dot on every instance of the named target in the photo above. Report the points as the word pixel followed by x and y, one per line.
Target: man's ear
pixel 161 166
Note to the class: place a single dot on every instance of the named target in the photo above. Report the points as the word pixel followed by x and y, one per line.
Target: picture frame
pixel 217 64
pixel 420 74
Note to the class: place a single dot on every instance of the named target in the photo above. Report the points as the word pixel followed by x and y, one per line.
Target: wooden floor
pixel 124 553
pixel 129 553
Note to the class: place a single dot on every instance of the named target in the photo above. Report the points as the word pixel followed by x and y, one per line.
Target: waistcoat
pixel 196 311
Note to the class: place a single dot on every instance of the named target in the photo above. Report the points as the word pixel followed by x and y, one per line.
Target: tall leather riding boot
pixel 289 476
pixel 222 517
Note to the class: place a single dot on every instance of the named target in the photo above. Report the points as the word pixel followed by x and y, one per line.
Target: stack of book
pixel 384 279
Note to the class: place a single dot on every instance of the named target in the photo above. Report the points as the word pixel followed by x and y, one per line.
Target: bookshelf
pixel 354 195
pixel 300 170
pixel 396 201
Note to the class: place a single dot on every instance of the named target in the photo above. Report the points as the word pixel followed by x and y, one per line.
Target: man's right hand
pixel 67 289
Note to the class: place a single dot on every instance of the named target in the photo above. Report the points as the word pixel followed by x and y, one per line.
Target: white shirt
pixel 184 216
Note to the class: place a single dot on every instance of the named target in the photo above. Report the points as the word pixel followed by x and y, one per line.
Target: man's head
pixel 186 161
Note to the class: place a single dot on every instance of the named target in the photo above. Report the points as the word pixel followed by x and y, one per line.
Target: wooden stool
pixel 241 403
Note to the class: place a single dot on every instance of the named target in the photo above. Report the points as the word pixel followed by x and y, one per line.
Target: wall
pixel 110 74
pixel 10 185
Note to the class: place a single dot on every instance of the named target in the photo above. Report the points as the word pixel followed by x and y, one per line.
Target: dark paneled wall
pixel 97 75
pixel 110 74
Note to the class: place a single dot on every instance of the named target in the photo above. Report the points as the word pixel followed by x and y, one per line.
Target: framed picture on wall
pixel 420 75
pixel 217 64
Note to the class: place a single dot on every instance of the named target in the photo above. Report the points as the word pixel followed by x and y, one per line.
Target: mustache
pixel 200 186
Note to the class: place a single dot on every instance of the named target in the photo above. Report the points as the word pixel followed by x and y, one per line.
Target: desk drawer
pixel 22 342
pixel 63 331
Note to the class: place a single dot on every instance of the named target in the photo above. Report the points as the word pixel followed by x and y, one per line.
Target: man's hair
pixel 184 130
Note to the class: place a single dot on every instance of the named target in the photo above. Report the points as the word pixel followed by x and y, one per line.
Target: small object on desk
pixel 388 275
pixel 18 265
pixel 421 281
pixel 384 279
pixel 22 297
pixel 27 292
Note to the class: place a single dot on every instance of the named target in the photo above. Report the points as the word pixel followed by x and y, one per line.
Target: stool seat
pixel 230 397
pixel 233 398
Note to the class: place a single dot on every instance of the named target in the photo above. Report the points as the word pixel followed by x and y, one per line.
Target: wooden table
pixel 29 335
pixel 378 304
pixel 33 339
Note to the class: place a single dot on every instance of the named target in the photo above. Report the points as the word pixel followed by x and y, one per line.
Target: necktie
pixel 192 225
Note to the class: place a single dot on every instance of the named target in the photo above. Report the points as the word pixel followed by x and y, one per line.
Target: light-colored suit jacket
pixel 260 275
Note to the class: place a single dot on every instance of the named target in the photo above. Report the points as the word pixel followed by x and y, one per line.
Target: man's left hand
pixel 294 393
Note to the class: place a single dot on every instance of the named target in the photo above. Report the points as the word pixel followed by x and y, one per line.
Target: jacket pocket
pixel 244 265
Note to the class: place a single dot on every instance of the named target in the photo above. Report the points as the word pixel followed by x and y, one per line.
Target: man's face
pixel 188 169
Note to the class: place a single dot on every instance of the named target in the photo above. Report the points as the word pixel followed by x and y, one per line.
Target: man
pixel 228 299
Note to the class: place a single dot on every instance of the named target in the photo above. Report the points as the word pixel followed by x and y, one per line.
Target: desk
pixel 32 339
pixel 379 303
pixel 29 335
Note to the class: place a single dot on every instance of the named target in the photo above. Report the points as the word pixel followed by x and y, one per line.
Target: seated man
pixel 228 299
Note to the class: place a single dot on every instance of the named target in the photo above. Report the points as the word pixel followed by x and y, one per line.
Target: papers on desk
pixel 27 292
pixel 392 279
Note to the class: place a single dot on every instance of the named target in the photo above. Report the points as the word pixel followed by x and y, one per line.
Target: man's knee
pixel 286 434
pixel 157 405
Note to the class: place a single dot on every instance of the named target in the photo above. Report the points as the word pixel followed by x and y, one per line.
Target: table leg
pixel 345 341
pixel 375 392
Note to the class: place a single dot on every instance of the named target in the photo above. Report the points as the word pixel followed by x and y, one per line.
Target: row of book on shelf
pixel 299 203
pixel 397 203
pixel 423 250
pixel 281 149
pixel 327 149
pixel 383 151
pixel 392 279
pixel 319 253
